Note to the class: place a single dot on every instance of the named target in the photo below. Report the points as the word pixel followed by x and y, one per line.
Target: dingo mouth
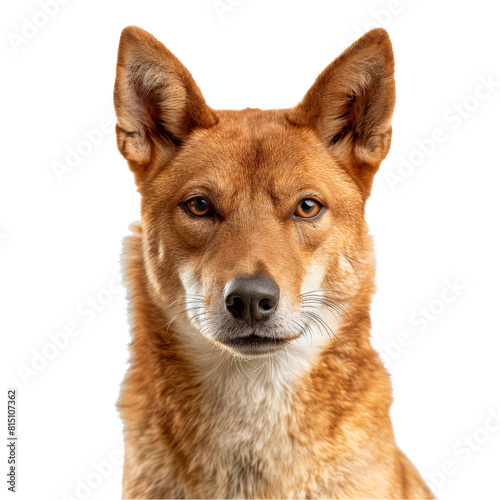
pixel 254 344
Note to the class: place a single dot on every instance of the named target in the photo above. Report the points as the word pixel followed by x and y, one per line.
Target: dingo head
pixel 252 219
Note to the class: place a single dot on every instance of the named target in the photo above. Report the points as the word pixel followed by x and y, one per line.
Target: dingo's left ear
pixel 350 106
pixel 157 102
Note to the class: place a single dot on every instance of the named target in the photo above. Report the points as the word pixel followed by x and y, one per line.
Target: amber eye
pixel 198 206
pixel 308 208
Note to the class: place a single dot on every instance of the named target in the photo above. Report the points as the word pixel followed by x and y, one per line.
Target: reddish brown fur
pixel 189 431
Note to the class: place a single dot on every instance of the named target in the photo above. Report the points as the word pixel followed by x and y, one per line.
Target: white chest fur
pixel 249 416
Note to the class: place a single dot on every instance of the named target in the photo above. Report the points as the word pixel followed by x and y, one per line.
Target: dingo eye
pixel 198 206
pixel 308 208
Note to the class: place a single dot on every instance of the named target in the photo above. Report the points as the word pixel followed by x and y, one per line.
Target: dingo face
pixel 249 216
pixel 257 216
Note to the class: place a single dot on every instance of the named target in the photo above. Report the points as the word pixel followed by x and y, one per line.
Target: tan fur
pixel 200 420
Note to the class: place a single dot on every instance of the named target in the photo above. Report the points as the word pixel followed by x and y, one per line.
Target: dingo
pixel 250 277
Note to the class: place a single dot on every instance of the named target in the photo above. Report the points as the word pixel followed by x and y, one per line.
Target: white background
pixel 61 236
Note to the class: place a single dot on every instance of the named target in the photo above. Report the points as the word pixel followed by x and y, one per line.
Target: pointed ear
pixel 350 106
pixel 157 102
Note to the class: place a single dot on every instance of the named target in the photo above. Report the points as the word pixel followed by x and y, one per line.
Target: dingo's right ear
pixel 157 102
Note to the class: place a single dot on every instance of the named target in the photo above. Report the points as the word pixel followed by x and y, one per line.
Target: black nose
pixel 252 299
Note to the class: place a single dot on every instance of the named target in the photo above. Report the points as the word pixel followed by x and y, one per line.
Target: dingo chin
pixel 250 277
